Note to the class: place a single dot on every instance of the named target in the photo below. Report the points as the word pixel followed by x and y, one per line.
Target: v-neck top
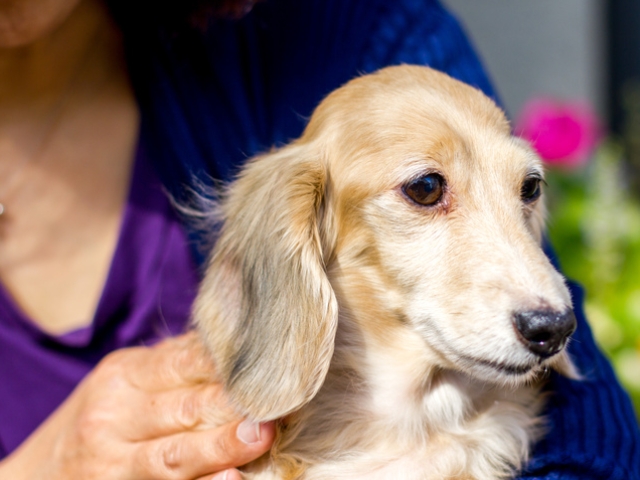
pixel 147 296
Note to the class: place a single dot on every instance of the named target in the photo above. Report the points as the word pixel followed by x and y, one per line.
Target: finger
pixel 201 453
pixel 159 414
pixel 175 362
pixel 230 474
pixel 181 360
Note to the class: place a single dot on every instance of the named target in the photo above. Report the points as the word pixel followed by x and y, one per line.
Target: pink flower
pixel 564 134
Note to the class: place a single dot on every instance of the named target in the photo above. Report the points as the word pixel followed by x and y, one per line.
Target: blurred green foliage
pixel 594 225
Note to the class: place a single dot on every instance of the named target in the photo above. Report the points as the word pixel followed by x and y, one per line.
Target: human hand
pixel 143 413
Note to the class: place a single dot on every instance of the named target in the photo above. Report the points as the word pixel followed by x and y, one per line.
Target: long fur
pixel 379 331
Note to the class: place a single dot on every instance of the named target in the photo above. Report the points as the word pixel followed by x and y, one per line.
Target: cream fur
pixel 382 330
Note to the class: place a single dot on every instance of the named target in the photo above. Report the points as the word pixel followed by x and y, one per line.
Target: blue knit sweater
pixel 210 101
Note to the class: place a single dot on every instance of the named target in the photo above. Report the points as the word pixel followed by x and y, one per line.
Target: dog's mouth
pixel 505 368
pixel 495 370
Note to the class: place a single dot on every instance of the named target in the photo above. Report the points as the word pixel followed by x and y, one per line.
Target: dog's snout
pixel 545 332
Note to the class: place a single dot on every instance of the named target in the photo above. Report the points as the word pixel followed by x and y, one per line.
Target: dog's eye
pixel 425 190
pixel 530 190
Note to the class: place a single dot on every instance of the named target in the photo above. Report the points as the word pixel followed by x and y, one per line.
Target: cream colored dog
pixel 379 284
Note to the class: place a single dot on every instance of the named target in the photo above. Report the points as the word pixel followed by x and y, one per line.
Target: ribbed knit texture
pixel 265 75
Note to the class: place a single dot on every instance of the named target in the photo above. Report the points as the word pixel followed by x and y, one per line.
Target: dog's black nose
pixel 545 332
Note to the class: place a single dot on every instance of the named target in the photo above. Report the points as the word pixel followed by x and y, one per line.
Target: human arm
pixel 142 413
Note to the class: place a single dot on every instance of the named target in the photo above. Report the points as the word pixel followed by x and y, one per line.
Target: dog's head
pixel 407 196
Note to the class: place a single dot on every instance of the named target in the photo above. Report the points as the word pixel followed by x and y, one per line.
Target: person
pixel 107 107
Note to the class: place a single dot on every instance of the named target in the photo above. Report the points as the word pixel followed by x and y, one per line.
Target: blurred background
pixel 568 74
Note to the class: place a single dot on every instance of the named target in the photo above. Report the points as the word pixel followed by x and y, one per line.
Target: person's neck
pixel 84 49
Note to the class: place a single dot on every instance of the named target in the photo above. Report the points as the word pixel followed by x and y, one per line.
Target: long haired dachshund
pixel 379 286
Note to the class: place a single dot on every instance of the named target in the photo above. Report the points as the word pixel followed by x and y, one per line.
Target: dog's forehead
pixel 381 129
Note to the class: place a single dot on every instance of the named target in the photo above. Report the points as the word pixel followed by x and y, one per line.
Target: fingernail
pixel 221 476
pixel 248 432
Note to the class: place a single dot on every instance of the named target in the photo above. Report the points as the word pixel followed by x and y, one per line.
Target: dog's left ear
pixel 266 308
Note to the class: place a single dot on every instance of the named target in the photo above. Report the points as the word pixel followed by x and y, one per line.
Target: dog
pixel 379 286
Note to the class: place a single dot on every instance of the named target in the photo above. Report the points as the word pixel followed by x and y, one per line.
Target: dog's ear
pixel 266 308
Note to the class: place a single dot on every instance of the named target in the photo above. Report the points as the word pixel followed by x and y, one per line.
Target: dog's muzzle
pixel 544 332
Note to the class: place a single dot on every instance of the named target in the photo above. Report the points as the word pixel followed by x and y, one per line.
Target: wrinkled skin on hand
pixel 144 413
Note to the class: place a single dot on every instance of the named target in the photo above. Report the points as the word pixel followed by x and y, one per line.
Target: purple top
pixel 147 296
